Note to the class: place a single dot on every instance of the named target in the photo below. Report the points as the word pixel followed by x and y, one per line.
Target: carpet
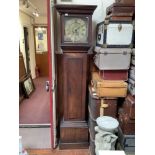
pixel 36 109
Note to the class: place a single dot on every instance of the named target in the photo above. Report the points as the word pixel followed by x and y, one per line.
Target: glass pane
pixel 41 39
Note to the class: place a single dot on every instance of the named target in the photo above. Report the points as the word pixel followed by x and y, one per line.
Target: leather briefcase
pixel 108 88
pixel 114 74
pixel 97 109
pixel 129 106
pixel 126 124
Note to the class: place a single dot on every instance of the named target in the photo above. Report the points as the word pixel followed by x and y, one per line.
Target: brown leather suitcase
pixel 113 17
pixel 129 106
pixel 119 16
pixel 132 2
pixel 126 124
pixel 96 107
pixel 108 88
pixel 114 74
pixel 121 9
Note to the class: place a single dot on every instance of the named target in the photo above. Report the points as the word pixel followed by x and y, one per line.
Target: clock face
pixel 76 30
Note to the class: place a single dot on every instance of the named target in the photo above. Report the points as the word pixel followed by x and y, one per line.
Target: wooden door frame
pixel 27 53
pixel 41 26
pixel 50 68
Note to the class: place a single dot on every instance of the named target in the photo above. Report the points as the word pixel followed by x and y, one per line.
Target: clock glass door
pixel 75 29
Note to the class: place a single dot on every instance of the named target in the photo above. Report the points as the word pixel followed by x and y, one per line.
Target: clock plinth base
pixel 81 145
pixel 73 135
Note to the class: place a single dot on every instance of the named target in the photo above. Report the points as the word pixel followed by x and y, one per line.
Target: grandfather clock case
pixel 72 74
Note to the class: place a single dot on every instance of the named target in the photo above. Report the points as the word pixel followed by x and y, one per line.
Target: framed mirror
pixel 40 39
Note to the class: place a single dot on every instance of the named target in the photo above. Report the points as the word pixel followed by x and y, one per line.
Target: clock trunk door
pixel 75 70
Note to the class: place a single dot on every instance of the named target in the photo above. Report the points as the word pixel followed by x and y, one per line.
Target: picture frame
pixel 28 86
pixel 40 33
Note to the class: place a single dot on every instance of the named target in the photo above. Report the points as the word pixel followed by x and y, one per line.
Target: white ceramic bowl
pixel 107 123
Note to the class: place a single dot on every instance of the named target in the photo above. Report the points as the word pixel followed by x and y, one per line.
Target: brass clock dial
pixel 76 30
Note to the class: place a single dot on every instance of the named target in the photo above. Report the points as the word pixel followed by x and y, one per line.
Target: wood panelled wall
pixel 42 63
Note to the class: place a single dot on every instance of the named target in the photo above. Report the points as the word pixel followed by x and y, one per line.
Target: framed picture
pixel 28 86
pixel 40 39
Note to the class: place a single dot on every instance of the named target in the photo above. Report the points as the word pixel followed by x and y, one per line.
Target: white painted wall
pixel 98 16
pixel 27 21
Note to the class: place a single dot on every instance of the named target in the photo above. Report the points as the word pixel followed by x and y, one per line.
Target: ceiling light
pixel 36 14
pixel 28 4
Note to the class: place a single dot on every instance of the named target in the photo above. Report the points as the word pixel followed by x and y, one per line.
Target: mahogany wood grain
pixel 72 81
pixel 75 72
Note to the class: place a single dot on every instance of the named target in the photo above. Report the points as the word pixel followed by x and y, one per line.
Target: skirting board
pixel 35 138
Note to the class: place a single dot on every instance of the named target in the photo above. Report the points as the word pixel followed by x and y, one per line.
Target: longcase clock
pixel 73 68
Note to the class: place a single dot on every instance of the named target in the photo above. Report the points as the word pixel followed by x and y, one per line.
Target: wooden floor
pixel 58 152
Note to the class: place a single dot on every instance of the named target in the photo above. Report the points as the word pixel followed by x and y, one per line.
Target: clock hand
pixel 80 26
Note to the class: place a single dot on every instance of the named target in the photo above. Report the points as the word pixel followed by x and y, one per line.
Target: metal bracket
pixel 119 27
pixel 102 107
pixel 104 46
pixel 53 86
pixel 124 52
pixel 106 22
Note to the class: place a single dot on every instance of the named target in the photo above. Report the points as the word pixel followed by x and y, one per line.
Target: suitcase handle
pixel 124 52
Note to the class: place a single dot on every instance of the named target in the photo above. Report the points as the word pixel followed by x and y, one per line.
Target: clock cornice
pixel 75 9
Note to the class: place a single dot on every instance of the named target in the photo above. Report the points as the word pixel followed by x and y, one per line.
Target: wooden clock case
pixel 72 82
